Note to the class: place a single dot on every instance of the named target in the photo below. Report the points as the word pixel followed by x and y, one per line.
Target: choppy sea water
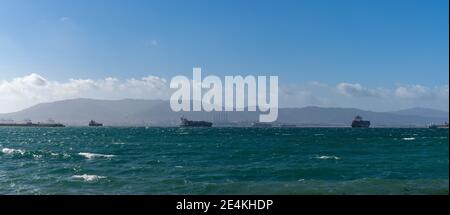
pixel 223 161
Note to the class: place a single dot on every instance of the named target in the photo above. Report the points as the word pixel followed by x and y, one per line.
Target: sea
pixel 148 160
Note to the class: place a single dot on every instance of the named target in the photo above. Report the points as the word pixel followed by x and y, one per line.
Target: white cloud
pixel 23 92
pixel 417 92
pixel 358 90
pixel 26 91
pixel 402 92
pixel 401 96
pixel 310 94
pixel 33 80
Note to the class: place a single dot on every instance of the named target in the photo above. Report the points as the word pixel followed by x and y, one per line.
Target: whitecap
pixel 118 143
pixel 13 151
pixel 89 155
pixel 88 178
pixel 328 157
pixel 408 138
pixel 37 156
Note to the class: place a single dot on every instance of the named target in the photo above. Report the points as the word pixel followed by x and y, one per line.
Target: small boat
pixel 93 123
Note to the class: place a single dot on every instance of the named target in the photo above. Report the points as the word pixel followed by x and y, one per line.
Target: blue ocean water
pixel 223 161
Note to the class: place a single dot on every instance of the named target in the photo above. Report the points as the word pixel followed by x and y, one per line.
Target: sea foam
pixel 88 178
pixel 409 138
pixel 13 151
pixel 328 157
pixel 94 155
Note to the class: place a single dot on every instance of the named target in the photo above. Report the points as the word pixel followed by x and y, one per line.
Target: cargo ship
pixel 189 123
pixel 358 122
pixel 93 123
pixel 29 123
pixel 445 125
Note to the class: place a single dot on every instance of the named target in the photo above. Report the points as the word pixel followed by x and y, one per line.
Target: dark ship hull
pixel 93 123
pixel 96 125
pixel 190 123
pixel 360 124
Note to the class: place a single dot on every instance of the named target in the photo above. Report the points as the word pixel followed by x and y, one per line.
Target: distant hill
pixel 157 112
pixel 80 111
pixel 426 112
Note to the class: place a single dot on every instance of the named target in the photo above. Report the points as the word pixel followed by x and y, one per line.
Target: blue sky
pixel 376 44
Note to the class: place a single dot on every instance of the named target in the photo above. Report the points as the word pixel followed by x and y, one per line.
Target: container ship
pixel 189 123
pixel 358 122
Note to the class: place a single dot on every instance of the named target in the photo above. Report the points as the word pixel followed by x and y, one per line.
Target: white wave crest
pixel 328 157
pixel 88 178
pixel 94 155
pixel 408 138
pixel 13 151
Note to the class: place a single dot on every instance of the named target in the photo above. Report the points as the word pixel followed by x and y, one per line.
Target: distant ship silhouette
pixel 93 123
pixel 358 122
pixel 189 123
pixel 28 123
pixel 445 125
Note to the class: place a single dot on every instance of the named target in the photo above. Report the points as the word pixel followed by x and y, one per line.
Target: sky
pixel 377 55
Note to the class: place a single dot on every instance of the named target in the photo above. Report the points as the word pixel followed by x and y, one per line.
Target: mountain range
pixel 134 112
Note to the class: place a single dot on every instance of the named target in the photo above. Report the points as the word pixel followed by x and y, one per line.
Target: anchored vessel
pixel 261 125
pixel 189 123
pixel 358 122
pixel 28 123
pixel 445 125
pixel 94 123
pixel 288 125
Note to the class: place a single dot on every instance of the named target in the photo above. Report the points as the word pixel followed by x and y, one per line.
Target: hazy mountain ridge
pixel 419 111
pixel 157 112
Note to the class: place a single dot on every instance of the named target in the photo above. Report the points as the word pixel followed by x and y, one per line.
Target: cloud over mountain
pixel 23 92
pixel 357 90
